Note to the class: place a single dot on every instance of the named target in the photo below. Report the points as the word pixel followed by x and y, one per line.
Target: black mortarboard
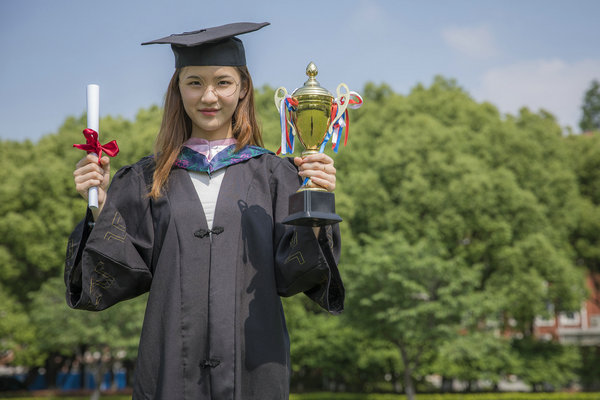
pixel 210 46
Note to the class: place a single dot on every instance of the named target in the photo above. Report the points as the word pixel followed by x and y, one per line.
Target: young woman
pixel 198 225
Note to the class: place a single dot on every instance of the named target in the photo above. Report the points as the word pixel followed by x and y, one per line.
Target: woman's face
pixel 210 96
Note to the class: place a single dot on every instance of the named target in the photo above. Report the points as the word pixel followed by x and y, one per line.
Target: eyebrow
pixel 201 78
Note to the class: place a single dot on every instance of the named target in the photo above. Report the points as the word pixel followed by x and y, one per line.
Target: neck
pixel 225 133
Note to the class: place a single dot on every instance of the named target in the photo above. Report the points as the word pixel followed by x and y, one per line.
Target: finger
pixel 327 168
pixel 90 176
pixel 87 168
pixel 92 158
pixel 318 174
pixel 105 161
pixel 83 187
pixel 323 183
pixel 318 157
pixel 88 159
pixel 81 162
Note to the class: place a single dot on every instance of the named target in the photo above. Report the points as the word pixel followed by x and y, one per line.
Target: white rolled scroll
pixel 93 122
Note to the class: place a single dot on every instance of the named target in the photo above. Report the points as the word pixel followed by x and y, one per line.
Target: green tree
pixel 460 220
pixel 39 206
pixel 407 295
pixel 318 357
pixel 474 356
pixel 546 365
pixel 112 334
pixel 330 353
pixel 584 151
pixel 590 121
pixel 459 223
pixel 585 238
pixel 17 333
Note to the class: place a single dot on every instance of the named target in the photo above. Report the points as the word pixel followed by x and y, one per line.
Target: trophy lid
pixel 312 86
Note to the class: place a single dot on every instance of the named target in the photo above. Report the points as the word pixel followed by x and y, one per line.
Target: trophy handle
pixel 279 96
pixel 343 99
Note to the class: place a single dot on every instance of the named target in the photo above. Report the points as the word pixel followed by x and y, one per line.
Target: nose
pixel 209 95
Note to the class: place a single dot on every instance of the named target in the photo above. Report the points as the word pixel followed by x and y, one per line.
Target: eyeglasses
pixel 224 87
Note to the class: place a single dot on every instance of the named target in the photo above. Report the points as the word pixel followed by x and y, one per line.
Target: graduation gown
pixel 214 326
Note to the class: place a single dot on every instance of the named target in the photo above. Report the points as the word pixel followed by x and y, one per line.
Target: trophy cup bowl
pixel 311 119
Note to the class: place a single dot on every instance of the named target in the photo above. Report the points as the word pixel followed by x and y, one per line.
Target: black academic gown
pixel 214 326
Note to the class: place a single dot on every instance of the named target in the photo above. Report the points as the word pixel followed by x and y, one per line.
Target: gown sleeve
pixel 108 261
pixel 303 262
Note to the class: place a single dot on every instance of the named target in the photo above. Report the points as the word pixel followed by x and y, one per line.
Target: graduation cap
pixel 210 46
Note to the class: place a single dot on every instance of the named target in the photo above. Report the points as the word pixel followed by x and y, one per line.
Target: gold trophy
pixel 310 122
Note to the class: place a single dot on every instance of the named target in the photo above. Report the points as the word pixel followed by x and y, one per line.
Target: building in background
pixel 579 327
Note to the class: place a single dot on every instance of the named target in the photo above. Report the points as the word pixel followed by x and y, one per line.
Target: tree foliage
pixel 461 219
pixel 66 331
pixel 590 121
pixel 546 364
pixel 17 333
pixel 461 225
pixel 477 355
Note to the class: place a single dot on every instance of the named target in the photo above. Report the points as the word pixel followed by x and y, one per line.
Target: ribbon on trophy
pixel 93 145
pixel 314 116
pixel 287 105
pixel 340 122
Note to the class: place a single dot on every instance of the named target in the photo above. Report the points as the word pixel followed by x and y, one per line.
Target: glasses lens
pixel 226 88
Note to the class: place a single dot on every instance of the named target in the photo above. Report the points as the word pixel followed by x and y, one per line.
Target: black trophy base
pixel 312 208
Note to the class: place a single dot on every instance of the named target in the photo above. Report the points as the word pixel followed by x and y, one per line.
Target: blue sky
pixel 534 53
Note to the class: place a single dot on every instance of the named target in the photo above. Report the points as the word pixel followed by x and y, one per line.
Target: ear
pixel 243 91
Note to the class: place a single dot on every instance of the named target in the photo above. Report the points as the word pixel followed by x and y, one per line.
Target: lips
pixel 209 111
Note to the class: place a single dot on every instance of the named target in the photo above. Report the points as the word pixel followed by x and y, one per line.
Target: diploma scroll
pixel 93 122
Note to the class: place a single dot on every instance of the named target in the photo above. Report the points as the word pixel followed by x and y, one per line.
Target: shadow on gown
pixel 266 337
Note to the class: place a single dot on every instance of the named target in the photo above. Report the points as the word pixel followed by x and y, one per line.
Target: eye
pixel 225 83
pixel 195 83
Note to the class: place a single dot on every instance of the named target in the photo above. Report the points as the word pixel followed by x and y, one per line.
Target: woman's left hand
pixel 319 168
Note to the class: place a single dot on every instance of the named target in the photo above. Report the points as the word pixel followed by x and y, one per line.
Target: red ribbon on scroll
pixel 93 145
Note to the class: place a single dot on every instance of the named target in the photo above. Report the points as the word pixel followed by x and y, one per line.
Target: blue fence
pixel 72 381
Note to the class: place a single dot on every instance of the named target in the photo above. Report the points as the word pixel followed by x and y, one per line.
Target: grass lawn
pixel 358 396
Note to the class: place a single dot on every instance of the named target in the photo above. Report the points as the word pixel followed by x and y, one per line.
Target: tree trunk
pixel 409 387
pixel 447 384
pixel 395 376
pixel 54 363
pixel 396 382
pixel 101 368
pixel 129 367
pixel 82 366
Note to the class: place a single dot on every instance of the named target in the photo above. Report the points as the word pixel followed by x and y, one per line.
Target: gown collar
pixel 200 155
pixel 209 148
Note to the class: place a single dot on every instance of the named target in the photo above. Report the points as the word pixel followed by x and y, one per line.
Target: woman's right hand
pixel 89 173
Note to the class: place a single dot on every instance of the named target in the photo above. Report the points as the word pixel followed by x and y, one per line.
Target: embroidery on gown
pixel 70 248
pixel 194 161
pixel 294 240
pixel 100 280
pixel 295 256
pixel 118 224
